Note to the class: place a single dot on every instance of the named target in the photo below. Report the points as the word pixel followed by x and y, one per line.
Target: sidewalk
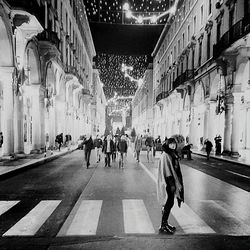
pixel 9 166
pixel 244 159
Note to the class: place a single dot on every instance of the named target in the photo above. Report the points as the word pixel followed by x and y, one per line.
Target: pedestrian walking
pixel 108 147
pixel 208 147
pixel 114 151
pixel 218 140
pixel 186 150
pixel 149 145
pixel 88 146
pixel 122 148
pixel 169 183
pixel 59 141
pixel 138 146
pixel 98 148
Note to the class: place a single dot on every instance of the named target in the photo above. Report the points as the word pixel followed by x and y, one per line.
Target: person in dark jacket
pixel 59 140
pixel 169 183
pixel 88 143
pixel 209 146
pixel 108 148
pixel 149 142
pixel 122 148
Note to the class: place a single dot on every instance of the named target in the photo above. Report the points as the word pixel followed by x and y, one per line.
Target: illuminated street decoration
pixel 129 12
pixel 113 78
pixel 125 69
pixel 151 18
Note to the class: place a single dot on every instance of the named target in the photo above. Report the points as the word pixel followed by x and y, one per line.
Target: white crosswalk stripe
pixel 136 218
pixel 189 221
pixel 6 205
pixel 86 219
pixel 31 223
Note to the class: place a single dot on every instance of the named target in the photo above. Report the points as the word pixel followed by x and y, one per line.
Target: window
pixel 231 17
pixel 202 15
pixel 188 31
pixel 183 40
pixel 194 24
pixel 61 10
pixel 200 53
pixel 208 45
pixel 209 7
pixel 193 56
pixel 179 47
pixel 174 52
pixel 218 31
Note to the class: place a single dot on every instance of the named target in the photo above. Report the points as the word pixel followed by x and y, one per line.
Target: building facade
pixel 45 72
pixel 201 74
pixel 98 105
pixel 142 105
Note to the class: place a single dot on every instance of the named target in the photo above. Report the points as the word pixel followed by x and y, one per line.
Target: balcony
pixel 49 36
pixel 184 77
pixel 236 32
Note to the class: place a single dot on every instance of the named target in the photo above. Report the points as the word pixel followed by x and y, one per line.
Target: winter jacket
pixel 112 146
pixel 122 146
pixel 138 144
pixel 88 144
pixel 98 143
pixel 167 169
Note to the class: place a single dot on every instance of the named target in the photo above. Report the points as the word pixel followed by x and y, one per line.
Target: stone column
pixel 42 110
pixel 227 129
pixel 206 122
pixel 235 125
pixel 18 125
pixel 6 78
pixel 192 128
pixel 211 127
pixel 36 118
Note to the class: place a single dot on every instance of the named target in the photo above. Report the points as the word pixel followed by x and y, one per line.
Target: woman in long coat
pixel 169 183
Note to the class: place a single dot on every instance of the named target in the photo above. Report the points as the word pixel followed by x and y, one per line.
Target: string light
pixel 125 70
pixel 114 11
pixel 153 19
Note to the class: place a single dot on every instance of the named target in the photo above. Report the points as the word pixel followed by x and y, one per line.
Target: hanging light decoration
pixel 125 70
pixel 151 18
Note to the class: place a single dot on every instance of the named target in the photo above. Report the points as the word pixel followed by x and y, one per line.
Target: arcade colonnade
pixel 37 97
pixel 218 103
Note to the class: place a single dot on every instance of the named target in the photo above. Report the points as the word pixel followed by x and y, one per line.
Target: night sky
pixel 119 39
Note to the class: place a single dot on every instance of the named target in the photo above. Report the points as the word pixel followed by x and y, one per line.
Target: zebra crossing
pixel 84 220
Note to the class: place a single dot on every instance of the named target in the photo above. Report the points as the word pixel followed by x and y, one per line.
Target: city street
pixel 62 203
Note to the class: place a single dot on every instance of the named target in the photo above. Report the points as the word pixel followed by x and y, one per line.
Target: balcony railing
pixel 49 36
pixel 184 77
pixel 236 32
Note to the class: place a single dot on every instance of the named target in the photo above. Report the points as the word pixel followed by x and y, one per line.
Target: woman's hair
pixel 170 141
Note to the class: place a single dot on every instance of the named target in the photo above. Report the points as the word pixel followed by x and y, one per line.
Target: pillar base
pixel 226 153
pixel 35 151
pixel 235 154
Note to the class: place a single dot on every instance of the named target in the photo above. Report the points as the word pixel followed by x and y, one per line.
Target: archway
pixel 6 80
pixel 186 115
pixel 50 114
pixel 31 100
